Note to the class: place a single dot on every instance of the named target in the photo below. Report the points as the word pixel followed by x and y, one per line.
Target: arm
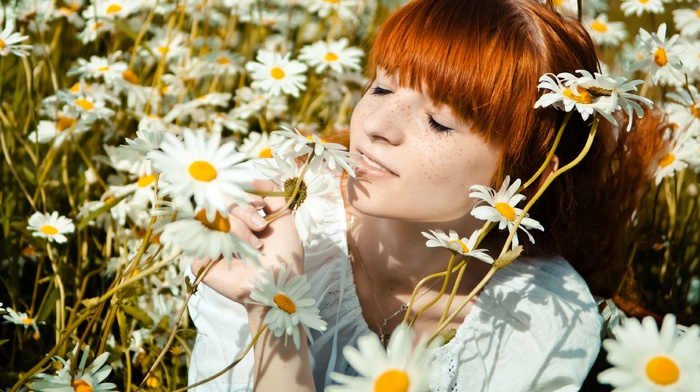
pixel 276 367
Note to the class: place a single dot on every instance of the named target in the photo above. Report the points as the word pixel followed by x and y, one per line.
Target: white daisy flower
pixel 502 208
pixel 9 42
pixel 295 145
pixel 687 21
pixel 200 237
pixel 334 55
pixel 345 9
pixel 673 161
pixel 647 359
pixel 84 378
pixel 259 145
pixel 403 366
pixel 58 131
pixel 662 60
pixel 464 246
pixel 53 227
pixel 605 33
pixel 639 7
pixel 107 68
pixel 686 110
pixel 90 109
pixel 111 9
pixel 290 304
pixel 21 318
pixel 224 62
pixel 199 167
pixel 145 141
pixel 591 94
pixel 94 28
pixel 252 103
pixel 309 207
pixel 275 74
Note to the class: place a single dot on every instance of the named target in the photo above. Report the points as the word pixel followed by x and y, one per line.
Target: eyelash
pixel 380 91
pixel 437 127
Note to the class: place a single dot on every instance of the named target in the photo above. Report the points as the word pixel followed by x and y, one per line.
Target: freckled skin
pixel 434 170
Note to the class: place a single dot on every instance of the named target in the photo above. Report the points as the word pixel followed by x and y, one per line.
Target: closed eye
pixel 380 91
pixel 437 127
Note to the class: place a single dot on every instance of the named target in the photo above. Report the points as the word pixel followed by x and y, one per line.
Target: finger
pixel 242 226
pixel 258 202
pixel 250 216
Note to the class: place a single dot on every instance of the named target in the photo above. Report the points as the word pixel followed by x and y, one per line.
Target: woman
pixel 450 105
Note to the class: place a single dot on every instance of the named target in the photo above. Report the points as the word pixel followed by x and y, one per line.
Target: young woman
pixel 450 105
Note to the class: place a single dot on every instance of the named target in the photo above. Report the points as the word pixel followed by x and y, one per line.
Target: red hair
pixel 484 59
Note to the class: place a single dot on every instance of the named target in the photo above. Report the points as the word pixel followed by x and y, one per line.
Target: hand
pixel 277 240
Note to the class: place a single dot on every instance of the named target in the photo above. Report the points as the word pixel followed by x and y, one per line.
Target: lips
pixel 369 167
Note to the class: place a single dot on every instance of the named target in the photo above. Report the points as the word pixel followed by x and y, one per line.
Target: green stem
pixel 297 186
pixel 550 154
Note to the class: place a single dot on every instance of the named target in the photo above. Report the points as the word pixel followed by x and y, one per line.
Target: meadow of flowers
pixel 124 125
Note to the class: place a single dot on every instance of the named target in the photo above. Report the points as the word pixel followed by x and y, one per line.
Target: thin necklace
pixel 384 334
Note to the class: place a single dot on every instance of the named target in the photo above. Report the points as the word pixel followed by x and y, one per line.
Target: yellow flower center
pixel 81 386
pixel 265 153
pixel 667 160
pixel 599 26
pixel 76 87
pixel 27 321
pixel 103 69
pixel 113 8
pixel 97 25
pixel 330 57
pixel 223 60
pixel 2 44
pixel 152 382
pixel 219 224
pixel 84 103
pixel 277 73
pixel 202 171
pixel 465 248
pixel 660 57
pixel 65 9
pixel 583 97
pixel 163 49
pixel 558 2
pixel 698 12
pixel 643 1
pixel 64 123
pixel 146 180
pixel 331 1
pixel 36 336
pixel 695 110
pixel 662 370
pixel 130 77
pixel 392 381
pixel 506 210
pixel 49 230
pixel 284 303
pixel 155 240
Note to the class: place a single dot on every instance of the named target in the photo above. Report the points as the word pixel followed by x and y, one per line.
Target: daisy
pixel 502 208
pixel 686 110
pixel 91 110
pixel 224 62
pixel 672 162
pixel 290 304
pixel 21 319
pixel 84 378
pixel 275 74
pixel 334 55
pixel 201 168
pixel 345 9
pixel 59 130
pixel 639 7
pixel 94 28
pixel 464 246
pixel 647 359
pixel 100 67
pixel 111 9
pixel 9 42
pixel 229 121
pixel 309 206
pixel 687 21
pixel 403 366
pixel 53 227
pixel 294 144
pixel 258 145
pixel 200 237
pixel 591 94
pixel 605 33
pixel 252 103
pixel 662 56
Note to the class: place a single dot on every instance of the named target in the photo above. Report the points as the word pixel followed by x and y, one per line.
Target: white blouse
pixel 534 326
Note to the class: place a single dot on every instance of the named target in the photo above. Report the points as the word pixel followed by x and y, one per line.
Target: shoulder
pixel 535 326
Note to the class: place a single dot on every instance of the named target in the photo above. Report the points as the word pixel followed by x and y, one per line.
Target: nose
pixel 385 121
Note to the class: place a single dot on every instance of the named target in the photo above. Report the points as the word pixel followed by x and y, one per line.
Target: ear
pixel 552 166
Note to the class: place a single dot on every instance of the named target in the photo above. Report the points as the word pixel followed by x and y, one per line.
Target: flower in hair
pixel 592 93
pixel 501 207
pixel 463 246
pixel 403 366
pixel 290 304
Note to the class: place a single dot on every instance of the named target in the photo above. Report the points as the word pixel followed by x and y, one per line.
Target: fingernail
pixel 255 242
pixel 259 221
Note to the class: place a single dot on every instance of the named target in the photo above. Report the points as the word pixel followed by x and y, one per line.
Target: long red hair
pixel 484 59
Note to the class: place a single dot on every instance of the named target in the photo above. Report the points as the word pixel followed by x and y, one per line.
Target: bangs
pixel 471 60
